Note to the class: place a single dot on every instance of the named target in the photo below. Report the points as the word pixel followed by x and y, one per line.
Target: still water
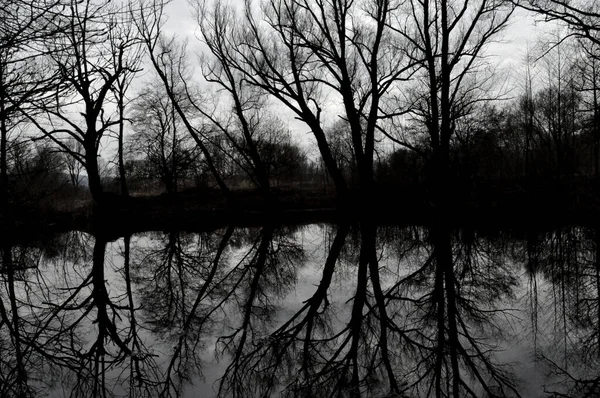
pixel 310 311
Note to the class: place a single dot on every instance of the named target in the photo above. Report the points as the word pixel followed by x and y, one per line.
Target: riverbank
pixel 207 210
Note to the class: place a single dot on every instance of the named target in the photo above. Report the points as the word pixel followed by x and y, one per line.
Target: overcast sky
pixel 507 55
pixel 523 30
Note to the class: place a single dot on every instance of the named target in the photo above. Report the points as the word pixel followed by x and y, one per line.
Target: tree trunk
pixel 3 154
pixel 122 176
pixel 333 170
pixel 3 164
pixel 260 169
pixel 596 131
pixel 94 182
pixel 195 136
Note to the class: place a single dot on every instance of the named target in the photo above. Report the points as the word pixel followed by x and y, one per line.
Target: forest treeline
pixel 103 99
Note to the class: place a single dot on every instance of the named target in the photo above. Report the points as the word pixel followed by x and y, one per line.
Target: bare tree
pixel 243 129
pixel 168 58
pixel 582 16
pixel 309 54
pixel 24 74
pixel 73 166
pixel 587 68
pixel 161 137
pixel 85 55
pixel 449 40
pixel 122 35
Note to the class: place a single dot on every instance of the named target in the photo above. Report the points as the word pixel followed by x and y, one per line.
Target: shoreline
pixel 195 212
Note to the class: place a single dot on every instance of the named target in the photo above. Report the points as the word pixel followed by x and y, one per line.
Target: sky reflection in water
pixel 316 310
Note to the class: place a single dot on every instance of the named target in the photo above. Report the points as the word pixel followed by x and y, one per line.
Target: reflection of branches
pixel 259 263
pixel 468 281
pixel 170 271
pixel 32 326
pixel 328 360
pixel 14 381
pixel 140 377
pixel 174 264
pixel 269 353
pixel 52 313
pixel 579 387
pixel 569 262
pixel 270 271
pixel 98 359
pixel 406 312
pixel 401 333
pixel 186 332
pixel 450 321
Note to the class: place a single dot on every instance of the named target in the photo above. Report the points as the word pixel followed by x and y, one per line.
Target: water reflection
pixel 313 311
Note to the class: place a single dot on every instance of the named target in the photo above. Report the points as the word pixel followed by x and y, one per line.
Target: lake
pixel 315 310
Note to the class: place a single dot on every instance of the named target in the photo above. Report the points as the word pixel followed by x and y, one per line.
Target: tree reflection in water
pixel 569 315
pixel 394 311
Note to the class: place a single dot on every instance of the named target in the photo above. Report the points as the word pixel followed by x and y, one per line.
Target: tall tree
pixel 85 55
pixel 243 127
pixel 168 57
pixel 582 16
pixel 449 39
pixel 25 26
pixel 122 34
pixel 160 136
pixel 553 118
pixel 588 70
pixel 309 54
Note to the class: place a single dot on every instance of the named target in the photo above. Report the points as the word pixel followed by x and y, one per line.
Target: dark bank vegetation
pixel 378 106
